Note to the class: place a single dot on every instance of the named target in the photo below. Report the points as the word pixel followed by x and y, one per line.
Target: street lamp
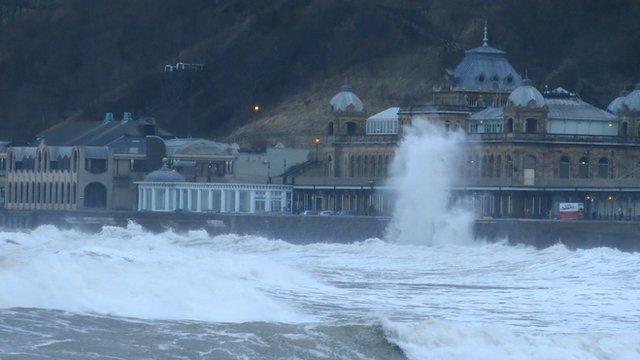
pixel 317 142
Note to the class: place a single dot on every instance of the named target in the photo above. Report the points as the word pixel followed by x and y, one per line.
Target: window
pixel 565 167
pixel 499 166
pixel 330 128
pixel 216 200
pixel 159 199
pixel 245 201
pixel 276 201
pixel 204 200
pixel 583 168
pixel 193 196
pixel 481 78
pixel 509 166
pixel 260 201
pixel 603 168
pixel 531 126
pixel 509 126
pixel 351 128
pixel 230 200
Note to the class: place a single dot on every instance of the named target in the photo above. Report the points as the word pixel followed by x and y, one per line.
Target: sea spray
pixel 425 168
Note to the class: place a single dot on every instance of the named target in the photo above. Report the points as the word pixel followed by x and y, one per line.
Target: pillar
pixel 166 200
pixel 267 201
pixel 252 201
pixel 237 201
pixel 140 198
pixel 223 200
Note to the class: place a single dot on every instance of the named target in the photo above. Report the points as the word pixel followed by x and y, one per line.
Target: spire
pixel 485 40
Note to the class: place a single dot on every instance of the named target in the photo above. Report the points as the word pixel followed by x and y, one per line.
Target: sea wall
pixel 623 235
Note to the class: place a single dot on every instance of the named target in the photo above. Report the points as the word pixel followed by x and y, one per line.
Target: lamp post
pixel 317 142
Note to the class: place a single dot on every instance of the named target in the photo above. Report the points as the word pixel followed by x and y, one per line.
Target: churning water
pixel 424 293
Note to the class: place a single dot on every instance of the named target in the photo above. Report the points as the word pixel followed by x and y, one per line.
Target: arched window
pixel 490 169
pixel 531 126
pixel 365 171
pixel 499 166
pixel 359 166
pixel 374 167
pixel 509 126
pixel 624 130
pixel 529 162
pixel 583 168
pixel 565 167
pixel 330 128
pixel 603 168
pixel 352 166
pixel 485 166
pixel 351 128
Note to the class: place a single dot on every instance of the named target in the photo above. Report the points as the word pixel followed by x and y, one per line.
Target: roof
pixel 24 151
pixel 59 151
pixel 490 113
pixel 526 96
pixel 346 100
pixel 96 152
pixel 389 114
pixel 571 107
pixel 95 133
pixel 616 105
pixel 176 147
pixel 164 174
pixel 486 68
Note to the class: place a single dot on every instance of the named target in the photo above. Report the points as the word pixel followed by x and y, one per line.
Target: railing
pixel 588 139
pixel 363 139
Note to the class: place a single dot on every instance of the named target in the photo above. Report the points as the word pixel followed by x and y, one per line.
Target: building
pixel 167 190
pixel 526 151
pixel 82 165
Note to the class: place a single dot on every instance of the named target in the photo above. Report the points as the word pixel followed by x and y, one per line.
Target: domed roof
pixel 486 68
pixel 633 99
pixel 346 100
pixel 526 96
pixel 616 105
pixel 164 174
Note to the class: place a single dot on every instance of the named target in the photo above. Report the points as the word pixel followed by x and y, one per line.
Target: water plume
pixel 423 172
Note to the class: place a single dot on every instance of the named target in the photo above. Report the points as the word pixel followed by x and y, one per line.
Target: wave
pixel 130 272
pixel 440 339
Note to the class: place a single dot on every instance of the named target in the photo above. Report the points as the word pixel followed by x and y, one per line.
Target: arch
pixel 509 126
pixel 499 166
pixel 374 166
pixel 359 166
pixel 365 168
pixel 484 166
pixel 603 168
pixel 74 162
pixel 95 196
pixel 564 170
pixel 351 128
pixel 624 129
pixel 583 168
pixel 531 126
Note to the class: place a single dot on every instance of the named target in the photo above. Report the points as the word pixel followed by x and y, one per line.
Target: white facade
pixel 214 197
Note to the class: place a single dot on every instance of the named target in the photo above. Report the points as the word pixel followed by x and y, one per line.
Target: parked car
pixel 327 213
pixel 346 213
pixel 309 213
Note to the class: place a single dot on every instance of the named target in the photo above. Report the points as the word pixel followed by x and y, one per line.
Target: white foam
pixel 439 339
pixel 128 272
pixel 423 172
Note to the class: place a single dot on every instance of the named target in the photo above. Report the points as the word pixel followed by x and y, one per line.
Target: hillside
pixel 75 59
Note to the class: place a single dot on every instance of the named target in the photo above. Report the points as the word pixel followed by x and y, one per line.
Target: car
pixel 327 213
pixel 309 213
pixel 346 213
